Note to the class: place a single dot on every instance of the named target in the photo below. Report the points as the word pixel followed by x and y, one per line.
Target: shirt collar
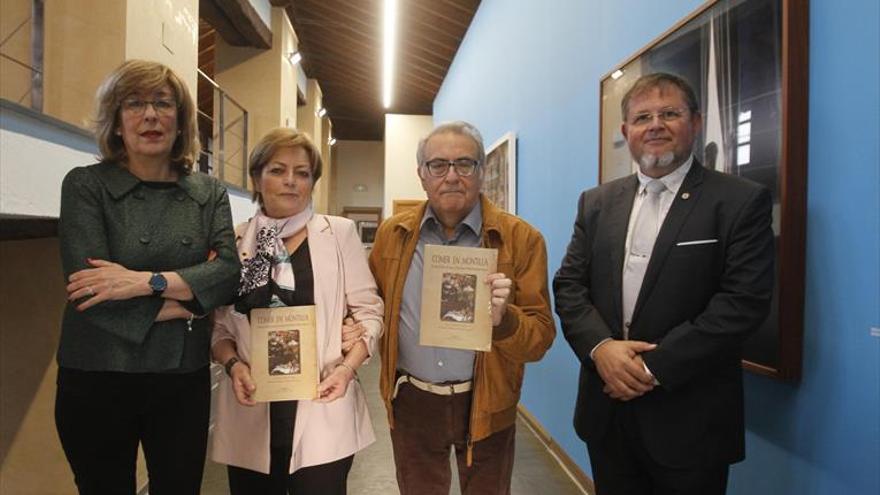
pixel 672 180
pixel 473 220
pixel 119 182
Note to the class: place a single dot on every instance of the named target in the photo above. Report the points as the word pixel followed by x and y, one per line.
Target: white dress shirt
pixel 672 181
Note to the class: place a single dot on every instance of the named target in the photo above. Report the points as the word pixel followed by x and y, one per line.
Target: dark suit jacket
pixel 698 303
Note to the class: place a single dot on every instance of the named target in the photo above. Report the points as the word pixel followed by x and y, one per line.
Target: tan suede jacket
pixel 525 332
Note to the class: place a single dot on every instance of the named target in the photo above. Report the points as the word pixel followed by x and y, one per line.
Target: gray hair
pixel 459 127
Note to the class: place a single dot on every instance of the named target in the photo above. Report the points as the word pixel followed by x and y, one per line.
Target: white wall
pixel 360 163
pixel 242 206
pixel 36 152
pixel 402 134
pixel 166 31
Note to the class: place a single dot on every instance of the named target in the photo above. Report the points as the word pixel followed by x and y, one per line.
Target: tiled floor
pixel 535 470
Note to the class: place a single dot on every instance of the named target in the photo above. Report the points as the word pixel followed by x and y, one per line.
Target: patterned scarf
pixel 264 257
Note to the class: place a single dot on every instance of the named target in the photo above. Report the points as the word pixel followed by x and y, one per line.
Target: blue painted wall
pixel 534 67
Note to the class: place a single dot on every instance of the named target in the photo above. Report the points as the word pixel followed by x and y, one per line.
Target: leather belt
pixel 434 388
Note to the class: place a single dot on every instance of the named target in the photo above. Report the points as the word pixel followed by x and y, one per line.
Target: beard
pixel 651 161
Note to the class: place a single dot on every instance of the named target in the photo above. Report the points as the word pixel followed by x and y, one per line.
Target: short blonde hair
pixel 276 139
pixel 136 76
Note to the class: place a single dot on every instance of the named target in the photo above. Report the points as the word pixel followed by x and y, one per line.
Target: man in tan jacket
pixel 439 398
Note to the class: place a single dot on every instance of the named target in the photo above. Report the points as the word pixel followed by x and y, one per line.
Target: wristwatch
pixel 158 283
pixel 229 364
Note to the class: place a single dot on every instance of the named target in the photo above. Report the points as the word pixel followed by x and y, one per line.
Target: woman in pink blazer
pixel 292 256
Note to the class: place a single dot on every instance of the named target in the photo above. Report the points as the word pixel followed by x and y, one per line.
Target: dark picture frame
pixel 748 62
pixel 367 231
pixel 366 219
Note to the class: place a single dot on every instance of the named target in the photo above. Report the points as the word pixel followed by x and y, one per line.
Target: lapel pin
pixel 685 195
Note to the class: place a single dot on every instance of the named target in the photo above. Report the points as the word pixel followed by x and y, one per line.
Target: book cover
pixel 284 361
pixel 456 310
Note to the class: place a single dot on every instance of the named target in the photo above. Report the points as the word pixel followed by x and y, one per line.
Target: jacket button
pixel 186 241
pixel 145 239
pixel 138 195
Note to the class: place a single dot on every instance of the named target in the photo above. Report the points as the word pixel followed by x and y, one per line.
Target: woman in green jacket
pixel 147 248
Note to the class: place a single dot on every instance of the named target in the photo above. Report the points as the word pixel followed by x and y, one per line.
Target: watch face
pixel 158 283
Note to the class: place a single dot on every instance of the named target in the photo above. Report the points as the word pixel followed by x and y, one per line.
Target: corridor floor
pixel 535 470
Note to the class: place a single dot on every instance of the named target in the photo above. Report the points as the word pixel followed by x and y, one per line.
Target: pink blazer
pixel 323 432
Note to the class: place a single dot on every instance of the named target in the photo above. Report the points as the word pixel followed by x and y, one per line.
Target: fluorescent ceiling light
pixel 322 112
pixel 616 74
pixel 390 36
pixel 294 57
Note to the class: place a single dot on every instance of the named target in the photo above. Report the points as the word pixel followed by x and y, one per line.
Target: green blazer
pixel 108 213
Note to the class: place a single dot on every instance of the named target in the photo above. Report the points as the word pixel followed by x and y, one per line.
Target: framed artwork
pixel 366 218
pixel 499 175
pixel 367 231
pixel 747 62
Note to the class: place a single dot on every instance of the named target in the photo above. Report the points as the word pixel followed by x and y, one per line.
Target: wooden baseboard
pixel 574 471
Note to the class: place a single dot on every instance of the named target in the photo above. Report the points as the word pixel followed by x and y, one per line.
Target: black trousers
pixel 622 466
pixel 324 479
pixel 102 416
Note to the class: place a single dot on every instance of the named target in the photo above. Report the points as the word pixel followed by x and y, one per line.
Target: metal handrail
pixel 222 155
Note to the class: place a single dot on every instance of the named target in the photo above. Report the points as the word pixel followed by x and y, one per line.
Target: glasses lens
pixel 670 115
pixel 465 166
pixel 134 106
pixel 138 107
pixel 437 168
pixel 642 119
pixel 164 106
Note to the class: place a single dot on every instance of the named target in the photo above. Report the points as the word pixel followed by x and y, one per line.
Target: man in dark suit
pixel 668 271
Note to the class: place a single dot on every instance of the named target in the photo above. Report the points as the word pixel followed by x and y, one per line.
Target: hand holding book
pixel 499 286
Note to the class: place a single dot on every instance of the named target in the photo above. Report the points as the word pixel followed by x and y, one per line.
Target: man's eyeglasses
pixel 162 106
pixel 463 166
pixel 666 115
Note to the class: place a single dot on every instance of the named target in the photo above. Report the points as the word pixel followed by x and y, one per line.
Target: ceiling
pixel 341 45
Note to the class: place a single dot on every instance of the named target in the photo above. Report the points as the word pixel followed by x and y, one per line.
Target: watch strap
pixel 229 364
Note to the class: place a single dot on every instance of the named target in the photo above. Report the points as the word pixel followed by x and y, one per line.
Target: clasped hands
pixel 620 364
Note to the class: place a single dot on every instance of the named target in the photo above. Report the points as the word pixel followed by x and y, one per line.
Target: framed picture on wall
pixel 747 62
pixel 366 218
pixel 499 176
pixel 367 231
